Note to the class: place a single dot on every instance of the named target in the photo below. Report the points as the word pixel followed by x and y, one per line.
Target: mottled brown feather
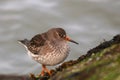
pixel 37 42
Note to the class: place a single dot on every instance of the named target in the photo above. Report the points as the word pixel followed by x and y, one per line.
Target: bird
pixel 49 48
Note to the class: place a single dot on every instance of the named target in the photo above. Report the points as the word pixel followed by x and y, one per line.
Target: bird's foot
pixel 45 74
pixel 44 71
pixel 39 77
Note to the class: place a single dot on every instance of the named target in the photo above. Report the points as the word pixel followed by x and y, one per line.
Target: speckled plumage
pixel 49 48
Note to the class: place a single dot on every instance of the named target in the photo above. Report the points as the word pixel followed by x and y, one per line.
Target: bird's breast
pixel 58 55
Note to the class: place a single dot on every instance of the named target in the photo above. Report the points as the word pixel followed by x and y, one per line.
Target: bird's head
pixel 60 33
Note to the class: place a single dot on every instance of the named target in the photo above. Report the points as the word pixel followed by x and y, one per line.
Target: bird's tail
pixel 24 42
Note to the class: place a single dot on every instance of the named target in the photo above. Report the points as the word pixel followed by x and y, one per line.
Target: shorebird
pixel 49 48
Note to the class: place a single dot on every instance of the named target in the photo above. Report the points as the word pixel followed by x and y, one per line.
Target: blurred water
pixel 88 22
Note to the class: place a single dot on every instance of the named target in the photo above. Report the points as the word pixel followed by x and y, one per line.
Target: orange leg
pixel 44 69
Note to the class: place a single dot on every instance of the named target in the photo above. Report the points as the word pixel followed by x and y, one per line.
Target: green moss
pixel 103 65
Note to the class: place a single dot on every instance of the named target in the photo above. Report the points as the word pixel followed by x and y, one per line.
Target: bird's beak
pixel 68 39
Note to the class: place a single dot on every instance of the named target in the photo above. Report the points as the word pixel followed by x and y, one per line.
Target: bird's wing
pixel 38 40
pixel 47 48
pixel 40 44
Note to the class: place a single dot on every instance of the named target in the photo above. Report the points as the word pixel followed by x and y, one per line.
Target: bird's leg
pixel 44 69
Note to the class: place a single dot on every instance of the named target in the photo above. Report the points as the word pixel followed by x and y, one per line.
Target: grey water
pixel 88 22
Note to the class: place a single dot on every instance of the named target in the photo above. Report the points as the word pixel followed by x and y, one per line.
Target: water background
pixel 88 22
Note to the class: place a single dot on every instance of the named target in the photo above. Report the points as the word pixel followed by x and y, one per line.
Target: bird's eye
pixel 62 35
